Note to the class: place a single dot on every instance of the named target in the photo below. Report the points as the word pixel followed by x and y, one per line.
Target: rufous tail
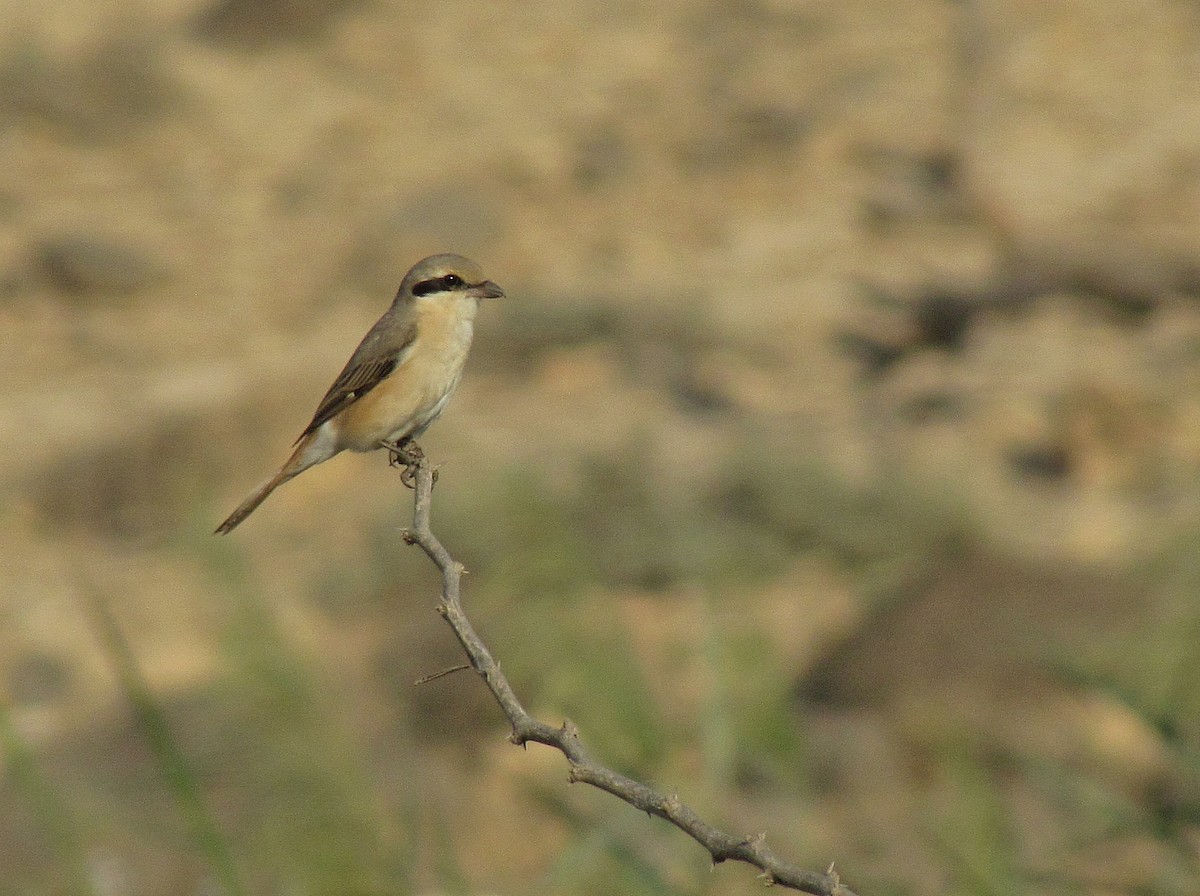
pixel 307 454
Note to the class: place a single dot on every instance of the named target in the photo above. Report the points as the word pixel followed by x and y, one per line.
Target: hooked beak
pixel 486 290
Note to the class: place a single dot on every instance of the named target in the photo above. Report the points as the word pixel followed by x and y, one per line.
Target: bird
pixel 399 379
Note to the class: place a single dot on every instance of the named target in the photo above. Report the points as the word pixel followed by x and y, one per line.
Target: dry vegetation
pixel 832 461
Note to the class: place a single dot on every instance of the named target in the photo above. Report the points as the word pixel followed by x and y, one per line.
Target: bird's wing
pixel 360 376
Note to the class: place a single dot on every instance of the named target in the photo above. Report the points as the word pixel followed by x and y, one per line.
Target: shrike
pixel 400 377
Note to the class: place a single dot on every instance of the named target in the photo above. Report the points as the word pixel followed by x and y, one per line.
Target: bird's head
pixel 443 276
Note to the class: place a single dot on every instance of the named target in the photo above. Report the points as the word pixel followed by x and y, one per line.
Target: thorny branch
pixel 721 846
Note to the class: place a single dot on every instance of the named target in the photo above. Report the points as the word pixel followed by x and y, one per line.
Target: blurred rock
pixel 924 389
pixel 885 332
pixel 602 156
pixel 262 23
pixel 1114 437
pixel 1091 178
pixel 966 624
pixel 907 187
pixel 117 85
pixel 87 264
pixel 39 677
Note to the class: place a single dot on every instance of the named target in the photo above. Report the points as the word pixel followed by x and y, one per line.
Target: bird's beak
pixel 486 290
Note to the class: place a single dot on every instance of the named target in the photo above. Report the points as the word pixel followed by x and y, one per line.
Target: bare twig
pixel 434 676
pixel 525 728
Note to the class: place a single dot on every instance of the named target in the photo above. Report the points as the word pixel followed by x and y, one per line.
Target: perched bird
pixel 400 377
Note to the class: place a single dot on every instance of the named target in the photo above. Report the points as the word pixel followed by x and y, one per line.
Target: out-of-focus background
pixel 832 462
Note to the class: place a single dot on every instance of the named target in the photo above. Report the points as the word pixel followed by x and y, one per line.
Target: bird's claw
pixel 409 456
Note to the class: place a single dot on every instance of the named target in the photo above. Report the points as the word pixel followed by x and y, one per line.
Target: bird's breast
pixel 417 391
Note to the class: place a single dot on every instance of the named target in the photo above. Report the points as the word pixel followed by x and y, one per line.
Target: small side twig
pixel 720 845
pixel 434 676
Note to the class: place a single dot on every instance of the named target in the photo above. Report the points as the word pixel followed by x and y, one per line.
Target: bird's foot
pixel 409 456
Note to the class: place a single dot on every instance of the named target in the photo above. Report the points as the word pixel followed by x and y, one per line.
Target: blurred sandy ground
pixel 864 332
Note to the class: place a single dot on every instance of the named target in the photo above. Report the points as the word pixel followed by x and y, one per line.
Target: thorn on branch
pixel 835 878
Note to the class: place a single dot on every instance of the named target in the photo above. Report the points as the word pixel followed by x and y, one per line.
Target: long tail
pixel 248 506
pixel 308 453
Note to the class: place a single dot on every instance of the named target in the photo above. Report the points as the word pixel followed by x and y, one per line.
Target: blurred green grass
pixel 46 815
pixel 313 797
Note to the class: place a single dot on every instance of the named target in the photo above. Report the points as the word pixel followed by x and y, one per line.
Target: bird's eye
pixel 452 281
